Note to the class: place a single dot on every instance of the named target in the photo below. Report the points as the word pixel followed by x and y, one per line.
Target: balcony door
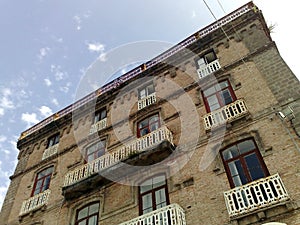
pixel 243 163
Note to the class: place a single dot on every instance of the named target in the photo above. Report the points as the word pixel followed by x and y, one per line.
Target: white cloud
pixel 6 103
pixel 6 91
pixel 47 82
pixel 2 138
pixel 45 111
pixel 65 88
pixel 102 57
pixel 55 102
pixel 77 21
pixel 1 112
pixel 58 73
pixel 43 52
pixel 194 14
pixel 29 118
pixel 95 47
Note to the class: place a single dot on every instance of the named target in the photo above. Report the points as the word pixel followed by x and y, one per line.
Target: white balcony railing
pixel 256 195
pixel 225 114
pixel 50 151
pixel 98 126
pixel 150 99
pixel 110 158
pixel 169 215
pixel 209 68
pixel 35 202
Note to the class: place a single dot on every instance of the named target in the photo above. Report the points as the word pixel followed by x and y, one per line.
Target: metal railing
pixel 208 69
pixel 98 126
pixel 110 158
pixel 35 202
pixel 169 215
pixel 138 70
pixel 225 114
pixel 150 99
pixel 50 151
pixel 256 195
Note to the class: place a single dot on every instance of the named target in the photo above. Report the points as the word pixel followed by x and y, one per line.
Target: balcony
pixel 50 151
pixel 148 149
pixel 35 202
pixel 169 215
pixel 98 126
pixel 226 114
pixel 257 195
pixel 208 68
pixel 150 99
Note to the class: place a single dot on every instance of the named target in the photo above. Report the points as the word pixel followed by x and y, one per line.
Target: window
pixel 53 140
pixel 42 181
pixel 243 163
pixel 206 59
pixel 100 115
pixel 95 151
pixel 88 215
pixel 153 194
pixel 218 95
pixel 148 125
pixel 146 91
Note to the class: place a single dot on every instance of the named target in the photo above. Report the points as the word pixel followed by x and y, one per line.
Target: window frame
pixel 205 59
pixel 98 115
pixel 146 88
pixel 153 191
pixel 103 150
pixel 53 140
pixel 244 166
pixel 43 178
pixel 77 221
pixel 148 125
pixel 218 95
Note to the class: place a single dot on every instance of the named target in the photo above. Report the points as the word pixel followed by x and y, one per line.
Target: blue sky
pixel 47 47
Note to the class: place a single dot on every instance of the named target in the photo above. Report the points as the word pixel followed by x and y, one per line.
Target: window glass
pixel 246 146
pixel 42 181
pixel 146 91
pixel 88 215
pixel 95 151
pixel 254 167
pixel 53 140
pixel 100 115
pixel 148 125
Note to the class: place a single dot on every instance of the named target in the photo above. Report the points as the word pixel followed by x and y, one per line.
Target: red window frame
pixel 243 162
pixel 80 219
pixel 155 190
pixel 218 91
pixel 53 140
pixel 99 150
pixel 100 115
pixel 148 125
pixel 42 181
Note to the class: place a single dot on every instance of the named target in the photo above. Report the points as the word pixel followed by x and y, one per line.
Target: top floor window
pixel 146 91
pixel 153 194
pixel 207 59
pixel 243 163
pixel 148 125
pixel 100 115
pixel 42 181
pixel 95 151
pixel 218 95
pixel 53 140
pixel 88 215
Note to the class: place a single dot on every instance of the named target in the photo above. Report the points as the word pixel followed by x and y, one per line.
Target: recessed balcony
pixel 148 149
pixel 226 114
pixel 169 215
pixel 98 126
pixel 258 195
pixel 207 69
pixel 35 202
pixel 149 100
pixel 50 151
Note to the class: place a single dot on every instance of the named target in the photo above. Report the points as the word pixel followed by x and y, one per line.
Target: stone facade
pixel 264 108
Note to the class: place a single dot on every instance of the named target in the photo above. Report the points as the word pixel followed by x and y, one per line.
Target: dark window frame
pixel 53 140
pixel 100 115
pixel 206 58
pixel 148 127
pixel 47 177
pixel 86 219
pixel 96 153
pixel 242 159
pixel 218 94
pixel 153 191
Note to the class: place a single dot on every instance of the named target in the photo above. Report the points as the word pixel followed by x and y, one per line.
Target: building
pixel 205 133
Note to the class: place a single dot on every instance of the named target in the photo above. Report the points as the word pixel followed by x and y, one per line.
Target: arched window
pixel 243 163
pixel 148 125
pixel 153 194
pixel 88 215
pixel 42 181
